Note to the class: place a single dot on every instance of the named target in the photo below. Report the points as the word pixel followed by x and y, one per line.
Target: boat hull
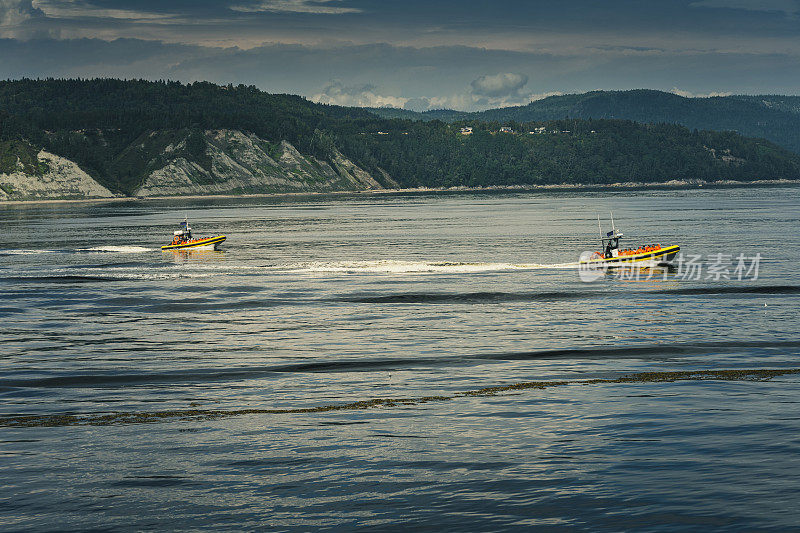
pixel 212 243
pixel 662 255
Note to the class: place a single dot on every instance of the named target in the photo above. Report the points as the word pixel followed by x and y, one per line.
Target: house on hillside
pixel 466 131
pixel 506 129
pixel 538 131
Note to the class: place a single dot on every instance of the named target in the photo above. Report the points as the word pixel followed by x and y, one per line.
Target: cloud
pixel 631 50
pixel 83 9
pixel 15 16
pixel 499 85
pixel 320 7
pixel 459 102
pixel 687 94
pixel 417 104
pixel 789 7
pixel 382 74
pixel 469 101
pixel 499 90
pixel 504 88
pixel 356 95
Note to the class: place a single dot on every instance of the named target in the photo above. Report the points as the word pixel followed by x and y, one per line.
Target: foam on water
pixel 406 267
pixel 111 249
pixel 118 249
pixel 29 252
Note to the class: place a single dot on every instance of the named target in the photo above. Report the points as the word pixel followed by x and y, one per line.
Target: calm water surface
pixel 126 373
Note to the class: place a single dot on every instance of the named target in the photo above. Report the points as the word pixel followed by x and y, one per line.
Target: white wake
pixel 28 252
pixel 118 249
pixel 406 267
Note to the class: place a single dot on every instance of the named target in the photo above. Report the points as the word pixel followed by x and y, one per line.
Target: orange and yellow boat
pixel 613 255
pixel 182 240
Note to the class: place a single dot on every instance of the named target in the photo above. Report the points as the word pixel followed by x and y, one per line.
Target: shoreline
pixel 619 186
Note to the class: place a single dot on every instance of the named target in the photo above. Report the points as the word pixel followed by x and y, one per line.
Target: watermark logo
pixel 689 267
pixel 718 267
pixel 590 267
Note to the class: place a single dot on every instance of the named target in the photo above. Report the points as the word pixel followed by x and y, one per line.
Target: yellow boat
pixel 612 255
pixel 183 240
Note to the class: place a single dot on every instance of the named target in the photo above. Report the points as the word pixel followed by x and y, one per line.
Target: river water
pixel 426 361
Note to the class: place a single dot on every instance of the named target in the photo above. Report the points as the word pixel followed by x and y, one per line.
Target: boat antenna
pixel 600 228
pixel 612 221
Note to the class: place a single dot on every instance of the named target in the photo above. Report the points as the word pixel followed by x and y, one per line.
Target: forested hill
pixel 772 117
pixel 95 122
pixel 152 138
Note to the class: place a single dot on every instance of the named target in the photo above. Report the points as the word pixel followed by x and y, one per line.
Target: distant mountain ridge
pixel 772 117
pixel 106 137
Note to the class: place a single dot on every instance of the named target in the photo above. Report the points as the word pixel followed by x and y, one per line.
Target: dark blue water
pixel 327 369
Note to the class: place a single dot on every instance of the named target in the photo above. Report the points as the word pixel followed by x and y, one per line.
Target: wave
pixel 207 375
pixel 642 351
pixel 193 413
pixel 117 265
pixel 60 279
pixel 530 296
pixel 468 297
pixel 739 289
pixel 197 307
pixel 119 275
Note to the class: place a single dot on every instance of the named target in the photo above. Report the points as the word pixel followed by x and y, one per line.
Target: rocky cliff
pixel 232 162
pixel 30 174
pixel 184 162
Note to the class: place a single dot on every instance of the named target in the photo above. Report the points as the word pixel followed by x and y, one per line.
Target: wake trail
pixel 414 267
pixel 118 249
pixel 107 249
pixel 30 252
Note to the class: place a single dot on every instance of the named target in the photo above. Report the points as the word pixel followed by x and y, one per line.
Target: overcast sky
pixel 417 54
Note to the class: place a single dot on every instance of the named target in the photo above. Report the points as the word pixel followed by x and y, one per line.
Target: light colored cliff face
pixel 241 163
pixel 59 179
